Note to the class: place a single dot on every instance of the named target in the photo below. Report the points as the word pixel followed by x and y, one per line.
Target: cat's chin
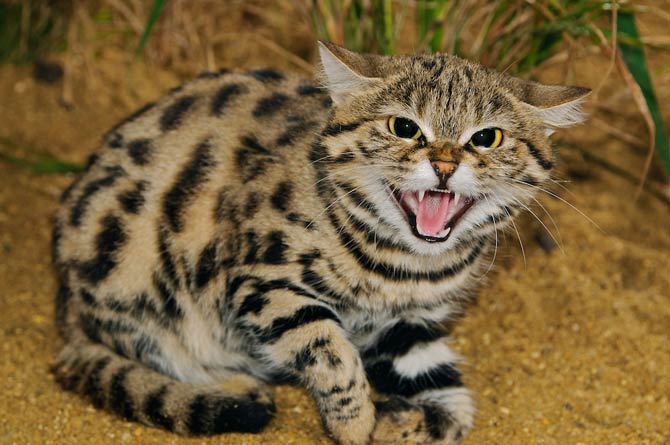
pixel 431 214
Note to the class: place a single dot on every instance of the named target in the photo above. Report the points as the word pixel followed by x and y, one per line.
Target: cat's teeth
pixel 420 194
pixel 457 198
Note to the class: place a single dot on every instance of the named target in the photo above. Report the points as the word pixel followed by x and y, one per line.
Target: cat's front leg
pixel 302 337
pixel 411 364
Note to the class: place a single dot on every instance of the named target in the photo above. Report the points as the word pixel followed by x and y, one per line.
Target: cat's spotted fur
pixel 246 229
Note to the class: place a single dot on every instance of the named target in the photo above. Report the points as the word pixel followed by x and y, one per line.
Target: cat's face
pixel 444 149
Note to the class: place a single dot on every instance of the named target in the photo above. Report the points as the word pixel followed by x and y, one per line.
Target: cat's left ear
pixel 557 106
pixel 346 73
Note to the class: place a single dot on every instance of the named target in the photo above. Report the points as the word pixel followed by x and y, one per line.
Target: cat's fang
pixel 420 194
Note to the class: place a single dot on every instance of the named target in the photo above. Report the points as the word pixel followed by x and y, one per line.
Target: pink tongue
pixel 432 213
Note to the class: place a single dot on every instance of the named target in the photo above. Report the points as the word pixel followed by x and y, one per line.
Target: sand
pixel 567 346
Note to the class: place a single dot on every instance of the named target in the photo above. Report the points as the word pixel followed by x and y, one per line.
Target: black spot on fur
pixel 92 159
pixel 251 158
pixel 336 129
pixel 309 90
pixel 225 95
pixel 139 150
pixel 344 157
pixel 282 195
pixel 251 205
pixel 115 140
pixel 93 187
pixel 189 180
pixel 270 105
pixel 168 265
pixel 304 358
pixel 207 265
pixel 275 253
pixel 265 75
pixel 91 326
pixel 294 132
pixel 63 298
pixel 171 308
pixel 207 75
pixel 132 200
pixel 254 303
pixel 174 114
pixel 154 406
pixel 529 180
pixel 120 400
pixel 88 298
pixel 108 242
pixel 307 259
pixel 209 414
pixel 252 247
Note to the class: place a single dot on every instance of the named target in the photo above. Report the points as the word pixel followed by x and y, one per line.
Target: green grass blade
pixel 636 62
pixel 44 164
pixel 151 22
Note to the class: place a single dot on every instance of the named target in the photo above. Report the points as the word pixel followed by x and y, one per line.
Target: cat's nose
pixel 444 170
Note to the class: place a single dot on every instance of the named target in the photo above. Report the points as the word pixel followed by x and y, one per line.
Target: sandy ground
pixel 570 346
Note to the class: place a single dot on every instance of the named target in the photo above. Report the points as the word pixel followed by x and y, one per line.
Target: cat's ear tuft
pixel 345 73
pixel 557 106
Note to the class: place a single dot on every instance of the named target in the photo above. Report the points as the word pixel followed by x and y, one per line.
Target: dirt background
pixel 569 345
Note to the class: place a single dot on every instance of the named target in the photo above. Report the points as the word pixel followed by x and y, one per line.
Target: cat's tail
pixel 136 392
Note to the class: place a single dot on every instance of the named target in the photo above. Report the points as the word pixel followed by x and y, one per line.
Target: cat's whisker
pixel 551 234
pixel 495 251
pixel 554 195
pixel 518 235
pixel 328 207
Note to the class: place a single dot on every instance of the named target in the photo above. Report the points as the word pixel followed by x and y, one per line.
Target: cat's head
pixel 441 147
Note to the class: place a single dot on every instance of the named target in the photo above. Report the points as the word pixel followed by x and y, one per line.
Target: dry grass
pixel 517 36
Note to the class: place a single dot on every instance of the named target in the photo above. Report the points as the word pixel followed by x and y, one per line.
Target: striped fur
pixel 242 230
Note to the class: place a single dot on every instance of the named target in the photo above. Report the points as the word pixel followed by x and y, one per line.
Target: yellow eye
pixel 488 138
pixel 404 128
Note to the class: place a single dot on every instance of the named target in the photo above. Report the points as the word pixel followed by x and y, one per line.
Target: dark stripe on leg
pixel 120 400
pixel 92 382
pixel 154 409
pixel 387 380
pixel 403 336
pixel 303 316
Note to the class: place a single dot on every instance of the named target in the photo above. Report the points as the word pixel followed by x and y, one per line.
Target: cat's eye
pixel 404 128
pixel 488 138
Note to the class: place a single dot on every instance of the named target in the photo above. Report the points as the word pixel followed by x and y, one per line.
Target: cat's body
pixel 244 229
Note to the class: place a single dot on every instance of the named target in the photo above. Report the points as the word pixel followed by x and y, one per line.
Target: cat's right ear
pixel 345 73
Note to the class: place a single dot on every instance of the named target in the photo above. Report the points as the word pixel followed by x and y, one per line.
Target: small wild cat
pixel 253 227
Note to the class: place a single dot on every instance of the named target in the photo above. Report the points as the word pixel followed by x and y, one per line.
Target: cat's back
pixel 162 172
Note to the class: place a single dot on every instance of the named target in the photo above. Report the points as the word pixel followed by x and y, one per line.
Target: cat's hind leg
pixel 137 392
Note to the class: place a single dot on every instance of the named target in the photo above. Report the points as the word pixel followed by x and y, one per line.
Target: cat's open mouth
pixel 432 214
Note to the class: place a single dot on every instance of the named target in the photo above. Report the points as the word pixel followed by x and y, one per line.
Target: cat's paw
pixel 442 417
pixel 351 422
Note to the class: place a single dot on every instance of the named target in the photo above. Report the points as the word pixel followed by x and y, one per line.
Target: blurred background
pixel 569 339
